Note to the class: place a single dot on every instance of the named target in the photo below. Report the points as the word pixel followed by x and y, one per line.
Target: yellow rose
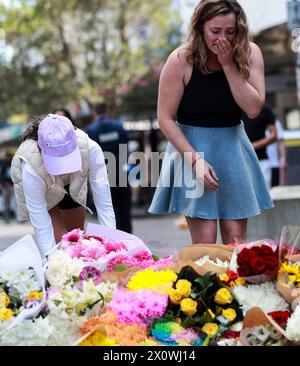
pixel 4 300
pixel 184 287
pixel 188 306
pixel 175 296
pixel 210 329
pixel 6 314
pixel 223 296
pixel 224 277
pixel 229 314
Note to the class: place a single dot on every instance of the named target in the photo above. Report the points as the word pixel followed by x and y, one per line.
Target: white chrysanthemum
pixel 74 303
pixel 293 325
pixel 206 259
pixel 233 265
pixel 61 269
pixel 264 296
pixel 23 282
pixel 49 331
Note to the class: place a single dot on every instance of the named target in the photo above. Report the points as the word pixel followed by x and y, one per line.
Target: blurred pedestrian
pixel 277 155
pixel 65 112
pixel 7 185
pixel 205 86
pixel 256 131
pixel 109 134
pixel 50 171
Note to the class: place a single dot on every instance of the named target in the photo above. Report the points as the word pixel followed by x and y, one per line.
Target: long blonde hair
pixel 198 50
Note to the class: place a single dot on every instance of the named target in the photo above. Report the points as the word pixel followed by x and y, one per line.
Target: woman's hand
pixel 225 52
pixel 206 174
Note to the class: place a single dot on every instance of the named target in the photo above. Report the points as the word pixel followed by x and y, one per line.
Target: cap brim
pixel 58 165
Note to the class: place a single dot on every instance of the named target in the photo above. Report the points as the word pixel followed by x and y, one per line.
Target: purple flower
pixel 90 272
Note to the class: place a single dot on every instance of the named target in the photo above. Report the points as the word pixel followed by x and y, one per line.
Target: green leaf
pixel 120 267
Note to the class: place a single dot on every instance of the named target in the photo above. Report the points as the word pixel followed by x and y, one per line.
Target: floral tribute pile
pixel 97 294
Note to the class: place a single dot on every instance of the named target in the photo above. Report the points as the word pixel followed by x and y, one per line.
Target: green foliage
pixel 61 51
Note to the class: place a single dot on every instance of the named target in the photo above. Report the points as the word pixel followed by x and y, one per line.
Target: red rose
pixel 266 250
pixel 258 265
pixel 232 275
pixel 244 270
pixel 280 317
pixel 271 262
pixel 271 272
pixel 245 256
pixel 231 334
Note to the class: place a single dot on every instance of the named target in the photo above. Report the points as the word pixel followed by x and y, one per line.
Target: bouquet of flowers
pixel 202 302
pixel 288 281
pixel 22 283
pixel 260 329
pixel 258 262
pixel 19 289
pixel 76 290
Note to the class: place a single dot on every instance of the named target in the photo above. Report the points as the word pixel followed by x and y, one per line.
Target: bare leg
pixel 73 218
pixel 233 231
pixel 59 227
pixel 202 231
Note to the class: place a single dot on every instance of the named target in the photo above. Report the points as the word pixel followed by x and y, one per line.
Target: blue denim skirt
pixel 242 191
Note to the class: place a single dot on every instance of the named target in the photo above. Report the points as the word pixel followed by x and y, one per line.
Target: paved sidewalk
pixel 159 233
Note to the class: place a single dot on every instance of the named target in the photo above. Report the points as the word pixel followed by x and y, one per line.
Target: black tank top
pixel 208 102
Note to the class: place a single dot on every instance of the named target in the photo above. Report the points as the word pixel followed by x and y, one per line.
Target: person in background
pixel 50 171
pixel 65 112
pixel 277 156
pixel 109 134
pixel 7 185
pixel 256 130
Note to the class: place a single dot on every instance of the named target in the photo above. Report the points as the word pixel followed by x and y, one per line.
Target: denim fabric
pixel 242 190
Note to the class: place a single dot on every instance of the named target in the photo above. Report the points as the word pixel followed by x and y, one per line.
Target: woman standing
pixel 205 86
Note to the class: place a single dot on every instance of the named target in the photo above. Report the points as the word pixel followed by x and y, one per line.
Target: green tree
pixel 80 49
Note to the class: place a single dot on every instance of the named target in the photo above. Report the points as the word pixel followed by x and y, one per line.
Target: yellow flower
pixel 175 296
pixel 224 277
pixel 240 281
pixel 223 296
pixel 232 284
pixel 229 314
pixel 97 338
pixel 150 279
pixel 6 314
pixel 290 268
pixel 4 300
pixel 293 278
pixel 210 329
pixel 184 287
pixel 188 306
pixel 35 295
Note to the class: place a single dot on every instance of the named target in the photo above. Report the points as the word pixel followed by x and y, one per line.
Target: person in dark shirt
pixel 109 134
pixel 7 185
pixel 256 131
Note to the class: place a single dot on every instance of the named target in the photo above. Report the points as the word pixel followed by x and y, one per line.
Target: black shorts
pixel 67 203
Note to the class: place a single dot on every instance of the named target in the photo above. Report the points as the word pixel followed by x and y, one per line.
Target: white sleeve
pixel 35 192
pixel 100 186
pixel 279 130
